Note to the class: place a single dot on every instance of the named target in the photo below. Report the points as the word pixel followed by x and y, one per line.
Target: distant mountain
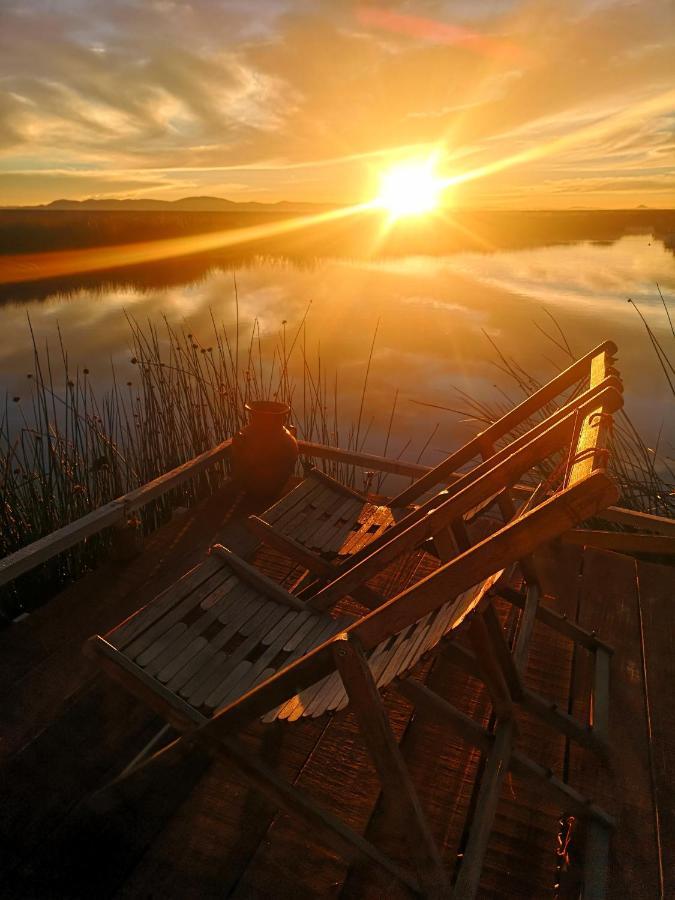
pixel 187 204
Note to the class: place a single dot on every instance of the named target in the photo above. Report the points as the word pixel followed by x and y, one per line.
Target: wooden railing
pixel 118 511
pixel 112 513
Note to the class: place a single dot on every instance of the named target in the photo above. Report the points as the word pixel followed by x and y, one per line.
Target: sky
pixel 534 104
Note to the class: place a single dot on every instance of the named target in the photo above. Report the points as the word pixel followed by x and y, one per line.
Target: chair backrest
pixel 576 433
pixel 590 370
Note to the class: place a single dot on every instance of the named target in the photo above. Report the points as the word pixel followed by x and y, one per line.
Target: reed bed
pixel 76 447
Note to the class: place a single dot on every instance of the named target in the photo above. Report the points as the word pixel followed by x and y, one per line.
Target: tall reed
pixel 67 447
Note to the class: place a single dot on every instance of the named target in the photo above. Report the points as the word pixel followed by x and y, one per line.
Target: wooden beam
pixel 473 733
pixel 554 620
pixel 563 722
pixel 502 654
pixel 423 697
pixel 56 542
pixel 512 542
pixel 621 515
pixel 525 626
pixel 256 578
pixel 117 510
pixel 397 785
pixel 640 520
pixel 621 541
pixel 490 669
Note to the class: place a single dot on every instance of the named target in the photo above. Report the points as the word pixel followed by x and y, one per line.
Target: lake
pixel 433 315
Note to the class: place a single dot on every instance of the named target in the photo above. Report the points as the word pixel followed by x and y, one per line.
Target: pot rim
pixel 272 408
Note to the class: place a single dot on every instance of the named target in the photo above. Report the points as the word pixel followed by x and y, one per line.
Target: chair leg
pixel 397 785
pixel 490 668
pixel 486 806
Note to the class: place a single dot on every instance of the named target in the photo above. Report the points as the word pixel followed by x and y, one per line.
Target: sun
pixel 409 189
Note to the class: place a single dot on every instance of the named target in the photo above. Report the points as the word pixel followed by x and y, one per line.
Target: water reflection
pixel 433 313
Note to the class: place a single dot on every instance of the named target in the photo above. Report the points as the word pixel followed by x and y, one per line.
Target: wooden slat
pixel 640 520
pixel 219 602
pixel 284 507
pixel 162 619
pixel 134 624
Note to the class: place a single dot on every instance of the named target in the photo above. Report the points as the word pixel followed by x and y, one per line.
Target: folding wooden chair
pixel 226 646
pixel 329 529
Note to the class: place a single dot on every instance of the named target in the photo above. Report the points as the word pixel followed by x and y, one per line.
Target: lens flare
pixel 409 189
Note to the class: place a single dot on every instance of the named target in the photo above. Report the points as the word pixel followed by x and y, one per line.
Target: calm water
pixel 432 313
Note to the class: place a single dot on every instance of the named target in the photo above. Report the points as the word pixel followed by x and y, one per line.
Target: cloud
pixel 308 99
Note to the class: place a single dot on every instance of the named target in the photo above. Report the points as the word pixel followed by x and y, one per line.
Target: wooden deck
pixel 191 828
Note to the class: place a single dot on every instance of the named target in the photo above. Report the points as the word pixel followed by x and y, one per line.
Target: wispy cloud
pixel 298 100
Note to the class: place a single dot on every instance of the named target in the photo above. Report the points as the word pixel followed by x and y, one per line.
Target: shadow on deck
pixel 191 828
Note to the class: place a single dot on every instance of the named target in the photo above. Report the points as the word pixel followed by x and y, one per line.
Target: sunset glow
pixel 299 105
pixel 410 189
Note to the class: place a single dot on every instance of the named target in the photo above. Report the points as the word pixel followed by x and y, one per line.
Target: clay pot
pixel 264 452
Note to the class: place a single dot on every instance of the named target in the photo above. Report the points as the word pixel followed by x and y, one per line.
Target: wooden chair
pixel 226 646
pixel 330 529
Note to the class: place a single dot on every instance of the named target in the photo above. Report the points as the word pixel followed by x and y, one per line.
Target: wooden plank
pixel 609 604
pixel 600 695
pixel 656 590
pixel 591 451
pixel 376 731
pixel 496 767
pixel 621 541
pixel 503 425
pixel 640 520
pixel 596 860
